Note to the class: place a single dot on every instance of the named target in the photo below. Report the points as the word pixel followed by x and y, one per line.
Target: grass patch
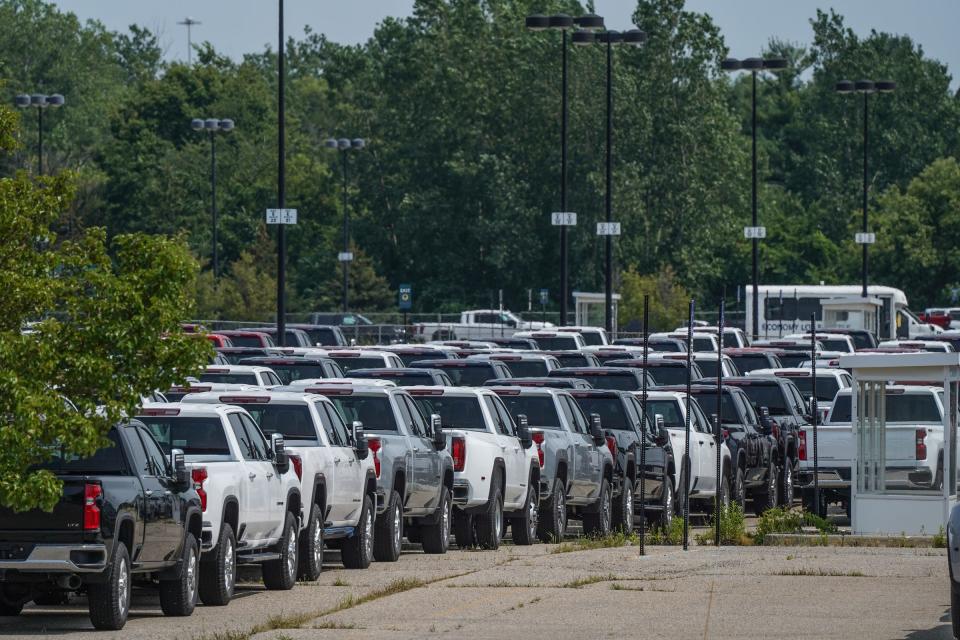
pixel 733 531
pixel 940 539
pixel 582 582
pixel 618 539
pixel 616 586
pixel 672 535
pixel 340 582
pixel 779 520
pixel 330 624
pixel 281 621
pixel 225 635
pixel 821 573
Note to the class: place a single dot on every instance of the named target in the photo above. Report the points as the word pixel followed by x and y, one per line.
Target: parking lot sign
pixel 563 219
pixel 544 297
pixel 406 297
pixel 754 232
pixel 865 238
pixel 281 216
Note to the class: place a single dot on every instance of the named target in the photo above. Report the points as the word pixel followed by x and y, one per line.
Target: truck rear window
pixel 374 412
pixel 541 411
pixel 669 409
pixel 455 413
pixel 246 341
pixel 905 407
pixel 611 412
pixel 770 396
pixel 405 379
pixel 473 376
pixel 592 338
pixel 574 360
pixel 293 422
pixel 615 382
pixel 290 372
pixel 527 368
pixel 557 343
pixel 408 358
pixel 753 361
pixel 230 378
pixel 194 436
pixel 348 364
pixel 106 461
pixel 826 387
pixel 666 376
pixel 728 409
pixel 324 337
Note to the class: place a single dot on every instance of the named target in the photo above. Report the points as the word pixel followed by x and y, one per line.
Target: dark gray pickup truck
pixel 128 510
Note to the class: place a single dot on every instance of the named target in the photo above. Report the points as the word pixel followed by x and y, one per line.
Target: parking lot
pixel 737 592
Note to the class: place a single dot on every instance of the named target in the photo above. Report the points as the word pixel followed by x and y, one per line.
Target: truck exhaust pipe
pixel 71 582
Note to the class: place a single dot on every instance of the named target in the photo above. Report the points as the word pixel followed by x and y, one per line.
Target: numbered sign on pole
pixel 754 233
pixel 608 228
pixel 281 216
pixel 865 238
pixel 563 219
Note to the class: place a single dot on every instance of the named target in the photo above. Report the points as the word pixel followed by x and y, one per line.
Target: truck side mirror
pixel 662 435
pixel 765 426
pixel 523 431
pixel 360 444
pixel 181 475
pixel 279 450
pixel 436 432
pixel 812 410
pixel 596 430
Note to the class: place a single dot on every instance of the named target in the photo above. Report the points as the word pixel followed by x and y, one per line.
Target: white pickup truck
pixel 249 493
pixel 914 445
pixel 476 325
pixel 496 470
pixel 338 479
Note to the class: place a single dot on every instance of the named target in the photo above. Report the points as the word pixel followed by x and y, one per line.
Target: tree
pixel 366 289
pixel 669 300
pixel 104 319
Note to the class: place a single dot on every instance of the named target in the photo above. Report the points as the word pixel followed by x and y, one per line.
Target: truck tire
pixel 388 535
pixel 668 503
pixel 218 573
pixel 955 607
pixel 597 524
pixel 553 525
pixel 179 597
pixel 310 565
pixel 524 527
pixel 357 550
pixel 786 485
pixel 739 494
pixel 436 537
pixel 623 508
pixel 281 574
pixel 724 488
pixel 766 497
pixel 463 530
pixel 109 601
pixel 490 524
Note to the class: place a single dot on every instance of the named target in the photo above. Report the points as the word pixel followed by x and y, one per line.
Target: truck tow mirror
pixel 812 410
pixel 181 475
pixel 523 431
pixel 436 432
pixel 596 430
pixel 765 421
pixel 279 451
pixel 360 444
pixel 662 435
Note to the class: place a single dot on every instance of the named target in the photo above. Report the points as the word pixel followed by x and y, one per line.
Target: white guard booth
pixel 886 496
pixel 589 309
pixel 852 313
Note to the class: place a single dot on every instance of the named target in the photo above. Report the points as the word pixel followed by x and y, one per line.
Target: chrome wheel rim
pixel 368 536
pixel 397 525
pixel 788 486
pixel 668 501
pixel 498 521
pixel 532 513
pixel 123 586
pixel 192 576
pixel 628 507
pixel 561 514
pixel 445 523
pixel 317 543
pixel 228 565
pixel 292 554
pixel 605 513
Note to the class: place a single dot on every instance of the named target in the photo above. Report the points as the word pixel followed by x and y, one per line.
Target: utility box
pixel 889 493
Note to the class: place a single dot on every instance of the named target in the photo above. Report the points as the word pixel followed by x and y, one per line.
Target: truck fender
pixel 231 500
pixel 136 536
pixel 192 523
pixel 319 488
pixel 295 506
pixel 499 466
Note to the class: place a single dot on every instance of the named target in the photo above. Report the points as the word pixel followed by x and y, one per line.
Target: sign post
pixel 282 216
pixel 405 301
pixel 544 298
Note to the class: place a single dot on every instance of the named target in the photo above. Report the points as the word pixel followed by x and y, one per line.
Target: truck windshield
pixel 770 396
pixel 407 358
pixel 230 378
pixel 574 359
pixel 903 407
pixel 106 461
pixel 541 411
pixel 293 422
pixel 194 436
pixel 527 368
pixel 473 376
pixel 404 379
pixel 616 382
pixel 369 362
pixel 666 376
pixel 556 343
pixel 669 409
pixel 290 372
pixel 826 387
pixel 374 412
pixel 455 413
pixel 728 410
pixel 611 412
pixel 592 338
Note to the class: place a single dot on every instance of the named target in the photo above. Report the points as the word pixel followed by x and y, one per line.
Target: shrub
pixel 779 520
pixel 732 528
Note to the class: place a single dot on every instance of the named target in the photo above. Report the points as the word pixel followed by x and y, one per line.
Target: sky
pixel 236 27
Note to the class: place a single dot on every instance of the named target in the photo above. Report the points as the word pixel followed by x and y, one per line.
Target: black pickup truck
pixel 126 511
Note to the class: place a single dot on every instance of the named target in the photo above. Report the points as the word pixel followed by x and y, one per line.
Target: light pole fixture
pixel 636 38
pixel 40 102
pixel 866 87
pixel 346 256
pixel 754 232
pixel 281 184
pixel 213 126
pixel 563 23
pixel 189 23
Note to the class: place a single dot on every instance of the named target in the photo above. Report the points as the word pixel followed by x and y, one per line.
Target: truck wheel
pixel 436 537
pixel 281 574
pixel 357 551
pixel 598 524
pixel 463 530
pixel 739 496
pixel 955 607
pixel 766 498
pixel 389 532
pixel 553 526
pixel 490 524
pixel 311 547
pixel 109 601
pixel 668 504
pixel 623 508
pixel 179 597
pixel 218 574
pixel 725 498
pixel 786 485
pixel 524 528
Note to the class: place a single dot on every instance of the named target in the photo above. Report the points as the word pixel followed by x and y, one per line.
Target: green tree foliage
pixel 668 304
pixel 106 330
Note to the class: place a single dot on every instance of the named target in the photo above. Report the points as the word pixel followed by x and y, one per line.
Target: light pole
pixel 563 23
pixel 281 188
pixel 866 87
pixel 40 102
pixel 634 37
pixel 346 256
pixel 754 66
pixel 213 125
pixel 189 23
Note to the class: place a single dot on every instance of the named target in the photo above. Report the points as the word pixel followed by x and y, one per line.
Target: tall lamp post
pixel 281 186
pixel 40 102
pixel 563 23
pixel 866 87
pixel 213 125
pixel 634 37
pixel 346 256
pixel 755 232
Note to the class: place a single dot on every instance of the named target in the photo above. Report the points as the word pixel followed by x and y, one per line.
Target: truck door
pixel 254 495
pixel 704 463
pixel 348 484
pixel 513 454
pixel 275 507
pixel 588 474
pixel 426 462
pixel 163 530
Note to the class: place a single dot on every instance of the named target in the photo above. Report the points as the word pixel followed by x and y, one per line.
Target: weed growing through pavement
pixel 732 528
pixel 821 573
pixel 940 539
pixel 779 520
pixel 582 582
pixel 340 582
pixel 618 539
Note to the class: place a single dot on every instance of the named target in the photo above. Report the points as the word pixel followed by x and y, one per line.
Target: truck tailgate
pixel 67 515
pixel 836 447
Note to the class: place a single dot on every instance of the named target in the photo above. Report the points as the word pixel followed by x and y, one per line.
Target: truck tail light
pixel 612 445
pixel 726 434
pixel 774 429
pixel 199 476
pixel 802 449
pixel 91 510
pixel 458 449
pixel 297 466
pixel 374 445
pixel 921 444
pixel 538 439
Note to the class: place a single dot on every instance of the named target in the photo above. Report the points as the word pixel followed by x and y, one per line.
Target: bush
pixel 672 535
pixel 779 520
pixel 732 528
